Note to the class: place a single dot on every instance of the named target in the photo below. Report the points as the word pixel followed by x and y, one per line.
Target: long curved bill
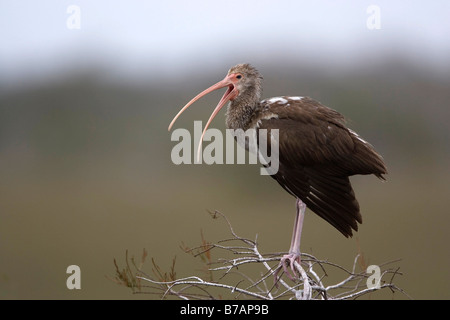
pixel 229 95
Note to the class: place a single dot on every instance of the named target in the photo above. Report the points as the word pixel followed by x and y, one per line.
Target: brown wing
pixel 317 154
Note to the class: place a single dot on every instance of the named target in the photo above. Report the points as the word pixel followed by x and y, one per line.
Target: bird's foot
pixel 288 262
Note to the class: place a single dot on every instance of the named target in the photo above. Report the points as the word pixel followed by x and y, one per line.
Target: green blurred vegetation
pixel 85 174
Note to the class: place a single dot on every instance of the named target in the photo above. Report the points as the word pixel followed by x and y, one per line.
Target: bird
pixel 317 151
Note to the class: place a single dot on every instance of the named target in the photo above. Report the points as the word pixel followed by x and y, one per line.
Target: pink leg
pixel 294 250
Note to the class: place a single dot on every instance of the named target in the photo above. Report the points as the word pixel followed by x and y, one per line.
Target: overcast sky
pixel 139 36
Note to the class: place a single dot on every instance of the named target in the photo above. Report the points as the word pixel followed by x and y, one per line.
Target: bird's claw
pixel 286 261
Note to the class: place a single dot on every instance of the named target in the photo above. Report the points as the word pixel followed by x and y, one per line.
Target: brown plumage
pixel 317 152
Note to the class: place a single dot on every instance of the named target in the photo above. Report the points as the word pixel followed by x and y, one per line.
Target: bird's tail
pixel 366 160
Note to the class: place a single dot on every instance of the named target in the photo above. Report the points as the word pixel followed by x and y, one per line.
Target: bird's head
pixel 248 84
pixel 243 82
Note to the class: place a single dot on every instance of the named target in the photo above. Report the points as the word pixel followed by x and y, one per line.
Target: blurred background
pixel 88 88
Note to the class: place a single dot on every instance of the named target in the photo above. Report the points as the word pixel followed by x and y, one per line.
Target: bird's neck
pixel 239 117
pixel 241 111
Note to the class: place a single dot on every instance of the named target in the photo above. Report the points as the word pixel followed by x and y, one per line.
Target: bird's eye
pixel 238 76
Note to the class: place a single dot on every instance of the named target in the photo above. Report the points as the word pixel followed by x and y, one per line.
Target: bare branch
pixel 243 272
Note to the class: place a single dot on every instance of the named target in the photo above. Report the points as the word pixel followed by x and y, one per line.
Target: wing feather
pixel 317 154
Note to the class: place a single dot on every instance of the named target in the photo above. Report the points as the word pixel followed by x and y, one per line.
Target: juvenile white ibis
pixel 317 152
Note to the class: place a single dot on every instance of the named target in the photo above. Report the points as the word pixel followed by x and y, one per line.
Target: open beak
pixel 229 95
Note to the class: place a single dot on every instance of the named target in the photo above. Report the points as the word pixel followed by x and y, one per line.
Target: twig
pixel 312 275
